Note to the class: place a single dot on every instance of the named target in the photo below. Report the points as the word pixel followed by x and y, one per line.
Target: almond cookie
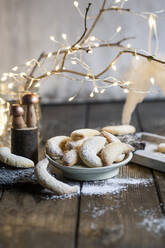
pixel 54 146
pixel 110 137
pixel 112 151
pixel 13 160
pixel 70 158
pixel 89 150
pixel 82 133
pixel 161 148
pixel 120 130
pixel 71 144
pixel 50 182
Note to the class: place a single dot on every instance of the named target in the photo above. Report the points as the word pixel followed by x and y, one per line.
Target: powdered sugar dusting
pixel 113 186
pixel 152 223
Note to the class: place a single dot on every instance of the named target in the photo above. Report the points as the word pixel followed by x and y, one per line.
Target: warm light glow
pixel 92 38
pixel 48 73
pixel 115 84
pixel 127 83
pixel 128 45
pixel 23 74
pixel 11 74
pixel 75 4
pixel 10 86
pixel 96 90
pixel 92 94
pixel 90 51
pixel 4 78
pixel 114 67
pixel 28 62
pixel 37 85
pixel 57 67
pixel 15 68
pixel 73 62
pixel 71 98
pixel 64 36
pixel 118 29
pixel 117 1
pixel 151 21
pixel 137 57
pixel 96 44
pixel 126 91
pixel 49 55
pixel 52 38
pixel 102 91
pixel 152 80
pixel 4 108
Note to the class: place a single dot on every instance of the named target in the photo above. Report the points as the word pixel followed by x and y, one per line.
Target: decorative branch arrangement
pixel 85 44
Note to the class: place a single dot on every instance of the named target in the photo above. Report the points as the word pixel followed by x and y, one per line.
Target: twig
pixel 94 23
pixel 85 30
pixel 97 76
pixel 148 57
pixel 27 84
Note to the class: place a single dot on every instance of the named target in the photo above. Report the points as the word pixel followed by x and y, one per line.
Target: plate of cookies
pixel 90 154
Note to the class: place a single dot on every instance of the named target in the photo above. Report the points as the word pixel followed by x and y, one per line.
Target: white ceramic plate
pixel 81 173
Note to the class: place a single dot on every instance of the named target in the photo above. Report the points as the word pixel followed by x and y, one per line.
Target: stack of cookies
pixel 91 147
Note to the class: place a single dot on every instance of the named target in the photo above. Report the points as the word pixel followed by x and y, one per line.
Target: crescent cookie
pixel 120 158
pixel 120 130
pixel 55 145
pixel 13 160
pixel 161 148
pixel 89 150
pixel 50 182
pixel 112 151
pixel 82 133
pixel 70 157
pixel 74 144
pixel 110 137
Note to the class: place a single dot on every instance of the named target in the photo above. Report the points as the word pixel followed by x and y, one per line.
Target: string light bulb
pixel 64 36
pixel 49 55
pixel 73 62
pixel 92 38
pixel 71 98
pixel 118 29
pixel 75 4
pixel 91 94
pixel 96 90
pixel 126 91
pixel 151 20
pixel 10 86
pixel 15 68
pixel 114 67
pixel 152 80
pixel 102 91
pixel 28 62
pixel 48 73
pixel 52 38
pixel 4 78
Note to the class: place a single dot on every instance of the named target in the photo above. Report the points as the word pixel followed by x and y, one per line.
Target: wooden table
pixel 130 218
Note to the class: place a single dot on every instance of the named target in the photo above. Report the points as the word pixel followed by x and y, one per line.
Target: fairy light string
pixel 86 43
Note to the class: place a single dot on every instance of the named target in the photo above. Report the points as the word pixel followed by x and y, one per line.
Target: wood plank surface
pixel 123 219
pixel 30 217
pixel 152 118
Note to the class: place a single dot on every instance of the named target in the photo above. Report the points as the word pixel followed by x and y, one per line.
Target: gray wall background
pixel 27 24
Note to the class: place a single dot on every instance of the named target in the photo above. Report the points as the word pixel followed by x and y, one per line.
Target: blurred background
pixel 27 25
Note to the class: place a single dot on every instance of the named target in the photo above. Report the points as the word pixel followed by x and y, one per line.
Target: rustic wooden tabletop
pixel 131 216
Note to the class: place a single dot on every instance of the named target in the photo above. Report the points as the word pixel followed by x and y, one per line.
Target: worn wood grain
pixel 61 120
pixel 108 113
pixel 30 217
pixel 118 220
pixel 152 118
